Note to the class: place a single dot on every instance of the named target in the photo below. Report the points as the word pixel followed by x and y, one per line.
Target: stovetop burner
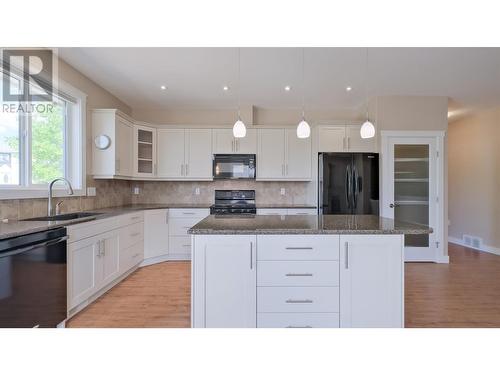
pixel 234 202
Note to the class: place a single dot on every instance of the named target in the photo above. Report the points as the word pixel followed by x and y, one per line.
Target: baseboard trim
pixel 485 248
pixel 165 258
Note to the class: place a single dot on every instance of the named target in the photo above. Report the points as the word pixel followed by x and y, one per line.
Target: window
pixel 41 142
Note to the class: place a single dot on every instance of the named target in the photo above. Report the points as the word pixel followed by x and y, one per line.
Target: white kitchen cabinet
pixel 144 151
pixel 283 156
pixel 344 139
pixel 185 154
pixel 198 154
pixel 371 281
pixel 115 161
pixel 155 233
pixel 171 153
pixel 226 266
pixel 110 257
pixel 180 220
pixel 224 142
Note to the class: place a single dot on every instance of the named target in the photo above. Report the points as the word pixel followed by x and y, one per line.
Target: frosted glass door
pixel 411 188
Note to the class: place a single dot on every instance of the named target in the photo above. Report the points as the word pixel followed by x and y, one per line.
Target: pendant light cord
pixel 366 81
pixel 303 82
pixel 239 83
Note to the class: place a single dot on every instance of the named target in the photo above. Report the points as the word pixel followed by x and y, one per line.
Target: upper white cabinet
pixel 113 159
pixel 344 139
pixel 283 156
pixel 185 154
pixel 144 151
pixel 226 268
pixel 224 142
pixel 371 280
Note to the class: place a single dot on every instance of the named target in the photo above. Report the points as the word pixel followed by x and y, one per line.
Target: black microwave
pixel 233 166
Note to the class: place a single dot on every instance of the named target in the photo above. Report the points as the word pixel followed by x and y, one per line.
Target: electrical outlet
pixel 197 191
pixel 91 191
pixel 136 190
pixel 282 191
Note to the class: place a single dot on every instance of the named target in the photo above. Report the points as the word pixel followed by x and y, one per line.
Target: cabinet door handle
pixel 286 169
pixel 135 234
pixel 346 258
pixel 298 248
pixel 348 143
pixel 156 169
pixel 117 161
pixel 343 143
pixel 251 255
pixel 298 326
pixel 298 274
pixel 299 301
pixel 103 248
pixel 98 249
pixel 237 145
pixel 135 218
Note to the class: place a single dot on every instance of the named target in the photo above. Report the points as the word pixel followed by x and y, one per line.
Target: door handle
pixel 346 258
pixel 251 255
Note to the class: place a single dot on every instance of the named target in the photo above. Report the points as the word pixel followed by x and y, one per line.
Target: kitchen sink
pixel 62 217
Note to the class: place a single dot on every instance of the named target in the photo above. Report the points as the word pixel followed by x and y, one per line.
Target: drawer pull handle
pixel 135 256
pixel 186 245
pixel 189 213
pixel 299 301
pixel 135 218
pixel 298 274
pixel 135 234
pixel 298 327
pixel 186 227
pixel 298 248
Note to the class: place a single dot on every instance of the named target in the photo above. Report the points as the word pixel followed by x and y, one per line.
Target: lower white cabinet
pixel 109 256
pixel 156 232
pixel 180 220
pixel 371 281
pixel 225 280
pixel 298 281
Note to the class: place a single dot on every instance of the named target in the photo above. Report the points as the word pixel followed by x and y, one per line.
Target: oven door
pixel 33 282
pixel 234 166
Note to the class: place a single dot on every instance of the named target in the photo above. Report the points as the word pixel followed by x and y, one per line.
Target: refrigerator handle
pixel 348 186
pixel 356 187
pixel 320 185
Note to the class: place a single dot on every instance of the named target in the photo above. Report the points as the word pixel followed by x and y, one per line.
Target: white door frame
pixel 386 191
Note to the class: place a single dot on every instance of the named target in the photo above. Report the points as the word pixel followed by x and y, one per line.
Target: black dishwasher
pixel 33 280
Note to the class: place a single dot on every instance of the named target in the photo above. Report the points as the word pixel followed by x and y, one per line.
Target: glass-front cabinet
pixel 145 151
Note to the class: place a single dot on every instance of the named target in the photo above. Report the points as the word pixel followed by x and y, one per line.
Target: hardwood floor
pixel 153 296
pixel 463 293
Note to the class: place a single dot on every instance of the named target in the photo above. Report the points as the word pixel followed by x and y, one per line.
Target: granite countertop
pixel 271 205
pixel 14 228
pixel 304 224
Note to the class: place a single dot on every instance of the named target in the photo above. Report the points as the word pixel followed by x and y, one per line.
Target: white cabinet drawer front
pixel 179 227
pixel 297 299
pixel 298 320
pixel 272 211
pixel 298 273
pixel 302 211
pixel 131 256
pixel 131 234
pixel 128 219
pixel 81 231
pixel 179 245
pixel 298 247
pixel 189 212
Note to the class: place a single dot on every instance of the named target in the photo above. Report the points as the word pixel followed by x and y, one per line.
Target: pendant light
pixel 303 129
pixel 239 129
pixel 367 129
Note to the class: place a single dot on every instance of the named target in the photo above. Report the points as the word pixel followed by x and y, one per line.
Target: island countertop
pixel 305 224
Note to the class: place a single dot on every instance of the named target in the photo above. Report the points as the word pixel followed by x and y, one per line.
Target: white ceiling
pixel 195 76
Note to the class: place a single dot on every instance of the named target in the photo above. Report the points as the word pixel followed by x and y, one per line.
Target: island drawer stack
pixel 297 281
pixel 180 220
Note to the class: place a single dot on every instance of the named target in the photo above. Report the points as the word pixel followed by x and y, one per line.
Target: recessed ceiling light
pixel 225 88
pixel 348 88
pixel 163 87
pixel 287 88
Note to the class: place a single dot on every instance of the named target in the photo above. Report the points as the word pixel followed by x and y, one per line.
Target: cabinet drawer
pixel 272 211
pixel 179 227
pixel 302 211
pixel 81 231
pixel 297 299
pixel 298 273
pixel 131 234
pixel 189 212
pixel 132 218
pixel 298 320
pixel 131 256
pixel 179 245
pixel 298 247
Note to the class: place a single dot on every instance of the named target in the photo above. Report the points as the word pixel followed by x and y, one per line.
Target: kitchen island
pixel 298 271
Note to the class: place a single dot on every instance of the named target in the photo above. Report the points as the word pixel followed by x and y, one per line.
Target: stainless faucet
pixel 70 192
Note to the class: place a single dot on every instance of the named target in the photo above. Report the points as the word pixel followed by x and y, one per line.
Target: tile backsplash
pixel 112 193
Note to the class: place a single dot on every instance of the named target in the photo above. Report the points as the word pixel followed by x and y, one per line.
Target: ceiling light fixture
pixel 225 88
pixel 303 128
pixel 163 87
pixel 239 129
pixel 348 88
pixel 287 88
pixel 367 129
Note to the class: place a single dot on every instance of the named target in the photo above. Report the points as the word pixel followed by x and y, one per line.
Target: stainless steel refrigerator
pixel 348 183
